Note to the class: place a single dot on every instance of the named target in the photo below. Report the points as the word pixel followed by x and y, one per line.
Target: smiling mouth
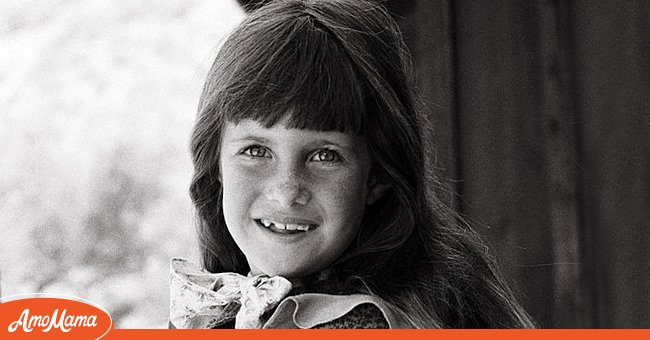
pixel 285 228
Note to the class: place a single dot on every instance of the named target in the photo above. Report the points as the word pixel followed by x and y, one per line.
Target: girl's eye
pixel 326 155
pixel 256 151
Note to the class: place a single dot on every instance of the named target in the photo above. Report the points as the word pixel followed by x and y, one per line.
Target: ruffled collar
pixel 200 299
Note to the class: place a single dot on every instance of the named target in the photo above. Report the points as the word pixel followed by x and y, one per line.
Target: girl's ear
pixel 375 190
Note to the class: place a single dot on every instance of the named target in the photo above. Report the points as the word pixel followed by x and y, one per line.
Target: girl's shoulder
pixel 315 310
pixel 365 316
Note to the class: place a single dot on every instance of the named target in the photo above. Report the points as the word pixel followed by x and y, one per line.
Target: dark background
pixel 541 112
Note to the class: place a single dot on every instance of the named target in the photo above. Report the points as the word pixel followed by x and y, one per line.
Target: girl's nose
pixel 288 192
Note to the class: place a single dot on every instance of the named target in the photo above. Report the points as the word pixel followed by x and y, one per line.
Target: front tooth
pixel 279 225
pixel 266 223
pixel 292 226
pixel 302 227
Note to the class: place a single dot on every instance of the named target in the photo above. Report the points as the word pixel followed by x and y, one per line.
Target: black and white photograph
pixel 328 164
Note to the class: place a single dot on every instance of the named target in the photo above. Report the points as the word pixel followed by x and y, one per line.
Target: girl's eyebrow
pixel 323 141
pixel 345 145
pixel 309 143
pixel 249 138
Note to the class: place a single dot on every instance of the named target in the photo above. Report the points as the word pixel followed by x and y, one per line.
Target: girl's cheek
pixel 239 180
pixel 343 187
pixel 250 177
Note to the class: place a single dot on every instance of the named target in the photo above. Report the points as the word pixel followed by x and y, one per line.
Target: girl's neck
pixel 314 278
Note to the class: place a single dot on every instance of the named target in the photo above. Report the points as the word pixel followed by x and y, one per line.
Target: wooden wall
pixel 542 114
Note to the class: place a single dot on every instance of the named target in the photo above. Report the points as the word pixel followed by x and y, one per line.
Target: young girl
pixel 310 183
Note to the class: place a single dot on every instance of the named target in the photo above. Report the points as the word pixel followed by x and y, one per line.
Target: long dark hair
pixel 342 65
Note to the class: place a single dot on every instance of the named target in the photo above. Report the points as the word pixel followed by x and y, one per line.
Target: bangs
pixel 291 68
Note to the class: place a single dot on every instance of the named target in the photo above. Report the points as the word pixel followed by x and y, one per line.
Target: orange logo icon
pixel 46 317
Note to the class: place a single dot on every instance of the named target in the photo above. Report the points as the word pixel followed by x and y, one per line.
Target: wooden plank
pixel 501 142
pixel 426 28
pixel 612 62
pixel 571 303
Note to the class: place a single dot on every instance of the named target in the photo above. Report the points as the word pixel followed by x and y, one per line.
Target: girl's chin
pixel 288 272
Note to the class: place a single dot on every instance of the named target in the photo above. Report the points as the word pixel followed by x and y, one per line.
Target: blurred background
pixel 541 115
pixel 97 99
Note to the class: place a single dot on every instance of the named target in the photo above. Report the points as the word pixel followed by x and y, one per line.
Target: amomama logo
pixel 52 317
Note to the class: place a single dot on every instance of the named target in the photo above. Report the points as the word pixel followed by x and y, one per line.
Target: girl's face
pixel 292 199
